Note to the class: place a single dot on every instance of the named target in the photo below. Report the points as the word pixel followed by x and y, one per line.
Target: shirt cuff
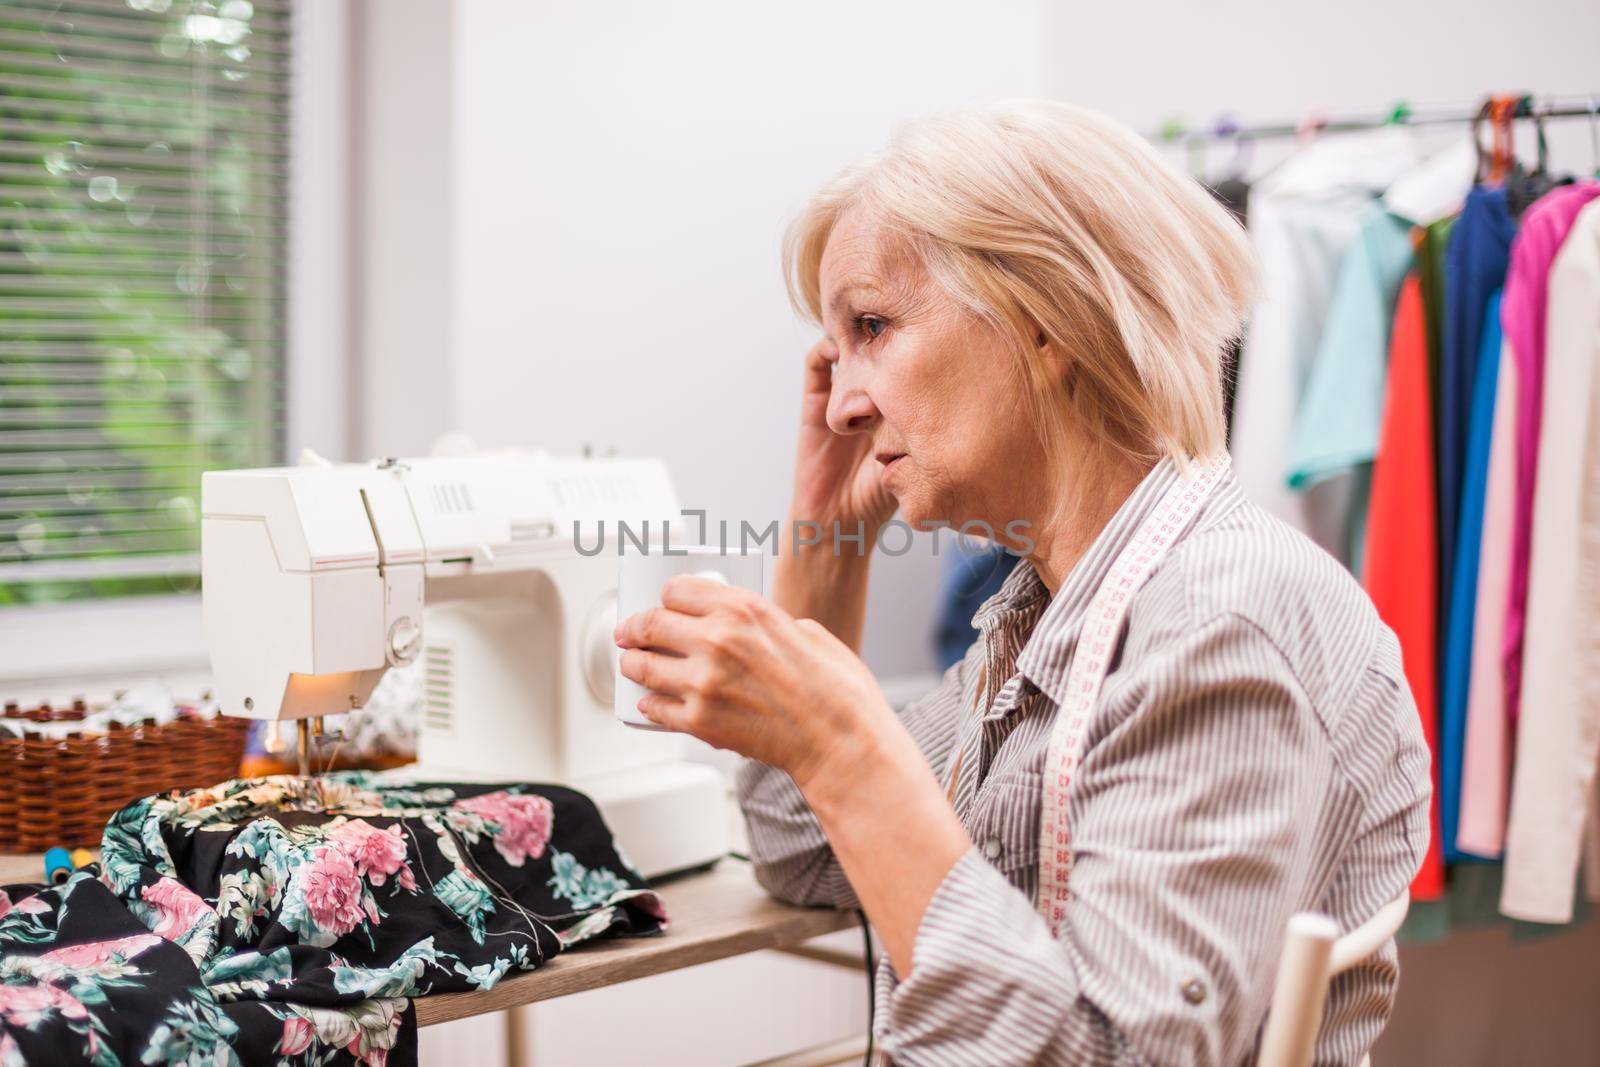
pixel 988 980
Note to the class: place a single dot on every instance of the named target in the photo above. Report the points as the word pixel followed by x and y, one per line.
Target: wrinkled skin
pixel 905 376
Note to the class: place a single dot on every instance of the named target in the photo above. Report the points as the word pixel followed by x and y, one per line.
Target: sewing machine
pixel 493 571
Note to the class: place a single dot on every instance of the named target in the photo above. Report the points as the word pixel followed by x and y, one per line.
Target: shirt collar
pixel 1046 656
pixel 1020 591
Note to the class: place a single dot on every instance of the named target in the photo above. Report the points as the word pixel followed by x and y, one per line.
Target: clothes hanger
pixel 1228 126
pixel 1233 188
pixel 1435 187
pixel 1497 111
pixel 1310 126
pixel 1175 129
pixel 1522 186
pixel 1305 134
pixel 1481 170
pixel 1594 133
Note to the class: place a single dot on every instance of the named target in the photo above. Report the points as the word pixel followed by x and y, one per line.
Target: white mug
pixel 640 576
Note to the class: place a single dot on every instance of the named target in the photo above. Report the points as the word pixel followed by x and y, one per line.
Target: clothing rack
pixel 1227 129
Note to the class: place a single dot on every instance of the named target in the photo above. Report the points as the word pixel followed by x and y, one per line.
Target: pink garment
pixel 1486 758
pixel 1522 316
pixel 1558 736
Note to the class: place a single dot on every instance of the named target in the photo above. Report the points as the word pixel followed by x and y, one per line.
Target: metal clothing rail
pixel 1227 129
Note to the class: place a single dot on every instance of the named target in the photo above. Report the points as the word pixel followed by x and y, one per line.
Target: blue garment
pixel 1456 658
pixel 1475 266
pixel 1341 410
pixel 970 580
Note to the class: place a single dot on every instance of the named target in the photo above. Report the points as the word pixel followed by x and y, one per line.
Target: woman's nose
pixel 850 409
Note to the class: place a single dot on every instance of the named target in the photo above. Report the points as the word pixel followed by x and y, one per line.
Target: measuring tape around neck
pixel 1090 661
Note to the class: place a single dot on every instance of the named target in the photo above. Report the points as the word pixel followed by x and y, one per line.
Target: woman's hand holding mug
pixel 737 671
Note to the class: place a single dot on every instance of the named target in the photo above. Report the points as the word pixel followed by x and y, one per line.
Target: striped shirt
pixel 1255 752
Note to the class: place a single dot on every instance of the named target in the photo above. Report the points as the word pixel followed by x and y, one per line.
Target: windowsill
pixel 93 647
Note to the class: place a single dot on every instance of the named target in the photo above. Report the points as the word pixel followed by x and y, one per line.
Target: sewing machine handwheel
pixel 405 641
pixel 598 651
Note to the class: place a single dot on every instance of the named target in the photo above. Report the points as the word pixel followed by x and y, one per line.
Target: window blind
pixel 143 195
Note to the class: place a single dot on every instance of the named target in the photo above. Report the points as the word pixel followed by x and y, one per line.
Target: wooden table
pixel 714 914
pixel 19 869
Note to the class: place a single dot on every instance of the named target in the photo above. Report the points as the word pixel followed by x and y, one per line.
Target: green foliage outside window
pixel 143 195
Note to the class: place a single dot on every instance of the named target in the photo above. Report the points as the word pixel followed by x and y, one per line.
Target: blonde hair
pixel 1054 221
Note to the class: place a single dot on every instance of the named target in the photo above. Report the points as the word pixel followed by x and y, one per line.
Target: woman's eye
pixel 871 326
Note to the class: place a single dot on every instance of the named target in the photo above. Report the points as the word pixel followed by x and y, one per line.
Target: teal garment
pixel 1461 609
pixel 1341 408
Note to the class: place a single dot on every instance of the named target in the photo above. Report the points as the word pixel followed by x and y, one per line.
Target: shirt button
pixel 1193 991
pixel 991 848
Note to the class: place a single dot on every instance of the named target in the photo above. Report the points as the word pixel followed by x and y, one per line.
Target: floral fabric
pixel 289 921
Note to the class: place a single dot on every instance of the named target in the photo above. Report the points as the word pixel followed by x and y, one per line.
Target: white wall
pixel 402 215
pixel 1265 60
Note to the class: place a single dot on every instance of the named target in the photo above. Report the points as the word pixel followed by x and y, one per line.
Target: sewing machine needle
pixel 305 747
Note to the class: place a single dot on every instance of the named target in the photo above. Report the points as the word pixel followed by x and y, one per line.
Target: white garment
pixel 1437 189
pixel 1302 218
pixel 1558 732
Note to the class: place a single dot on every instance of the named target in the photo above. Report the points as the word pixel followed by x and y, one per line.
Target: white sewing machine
pixel 314 584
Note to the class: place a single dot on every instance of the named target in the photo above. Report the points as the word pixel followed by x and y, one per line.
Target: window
pixel 144 154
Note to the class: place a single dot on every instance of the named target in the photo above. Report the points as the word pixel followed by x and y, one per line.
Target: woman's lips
pixel 888 459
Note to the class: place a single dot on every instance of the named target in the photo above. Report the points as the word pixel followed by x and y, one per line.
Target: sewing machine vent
pixel 590 489
pixel 439 689
pixel 451 498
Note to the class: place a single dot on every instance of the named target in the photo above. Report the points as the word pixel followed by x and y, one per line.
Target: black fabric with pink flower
pixel 289 921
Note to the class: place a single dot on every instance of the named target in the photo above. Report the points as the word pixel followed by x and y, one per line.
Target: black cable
pixel 867 959
pixel 872 992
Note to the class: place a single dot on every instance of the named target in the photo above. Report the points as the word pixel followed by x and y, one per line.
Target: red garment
pixel 1402 555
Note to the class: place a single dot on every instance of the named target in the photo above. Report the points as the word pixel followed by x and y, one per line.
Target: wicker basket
pixel 60 788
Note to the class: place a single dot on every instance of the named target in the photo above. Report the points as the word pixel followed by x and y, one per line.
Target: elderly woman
pixel 1025 309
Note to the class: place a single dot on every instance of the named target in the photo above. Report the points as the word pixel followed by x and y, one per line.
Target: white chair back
pixel 1313 955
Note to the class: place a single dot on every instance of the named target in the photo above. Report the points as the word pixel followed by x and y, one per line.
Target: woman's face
pixel 935 388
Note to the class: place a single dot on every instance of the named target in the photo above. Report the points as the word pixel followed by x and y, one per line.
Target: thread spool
pixel 57 865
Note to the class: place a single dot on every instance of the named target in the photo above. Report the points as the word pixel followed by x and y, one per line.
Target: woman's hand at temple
pixel 836 477
pixel 836 480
